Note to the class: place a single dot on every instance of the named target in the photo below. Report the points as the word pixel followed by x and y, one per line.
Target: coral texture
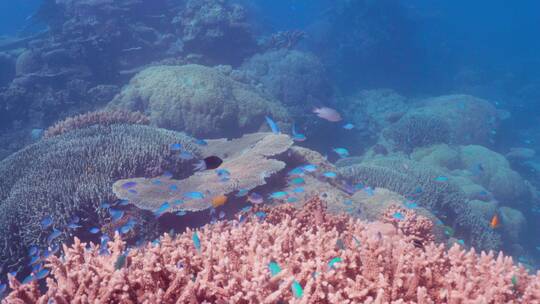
pixel 104 118
pixel 451 119
pixel 71 174
pixel 297 79
pixel 248 163
pixel 316 263
pixel 196 99
pixel 417 180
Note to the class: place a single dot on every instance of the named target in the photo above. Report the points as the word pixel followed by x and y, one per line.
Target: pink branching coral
pixel 235 262
pixel 94 118
pixel 416 227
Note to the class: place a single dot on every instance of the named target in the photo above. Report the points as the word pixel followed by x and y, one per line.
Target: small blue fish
pixel 173 187
pixel 196 241
pixel 162 209
pixel 310 168
pixel 221 214
pixel 178 202
pixel 298 190
pixel 272 124
pixel 3 288
pixel 94 230
pixel 348 202
pixel 297 136
pixel 125 229
pixel 28 279
pixel 292 200
pixel 116 215
pixel 411 204
pixel 369 191
pixel 175 147
pixel 398 216
pixel 461 242
pixel 297 181
pixel 55 234
pixel 441 179
pixel 185 155
pixel 128 185
pixel 330 174
pixel 201 142
pixel 157 182
pixel 274 268
pixel 260 214
pixel 181 213
pixel 33 250
pixel 34 260
pixel 297 290
pixel 105 205
pixel 242 192
pixel 333 262
pixel 46 222
pixel 348 126
pixel 194 195
pixel 342 152
pixel 246 209
pixel 43 273
pixel 278 195
pixel 297 171
pixel 167 174
pixel 73 226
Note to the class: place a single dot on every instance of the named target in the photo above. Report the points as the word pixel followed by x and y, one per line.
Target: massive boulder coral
pixel 451 119
pixel 373 110
pixel 296 256
pixel 196 99
pixel 71 174
pixel 297 79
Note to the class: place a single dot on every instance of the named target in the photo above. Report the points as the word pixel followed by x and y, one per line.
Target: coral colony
pixel 178 152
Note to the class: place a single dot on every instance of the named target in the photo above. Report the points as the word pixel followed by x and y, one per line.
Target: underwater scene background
pixel 308 151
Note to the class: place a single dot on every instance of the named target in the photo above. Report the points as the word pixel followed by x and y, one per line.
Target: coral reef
pixel 292 257
pixel 418 181
pixel 297 79
pixel 451 119
pixel 200 100
pixel 373 110
pixel 71 174
pixel 248 161
pixel 103 118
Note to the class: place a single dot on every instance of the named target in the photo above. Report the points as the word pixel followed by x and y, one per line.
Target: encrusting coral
pixel 296 256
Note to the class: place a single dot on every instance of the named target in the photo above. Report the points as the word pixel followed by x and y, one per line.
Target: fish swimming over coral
pixel 328 114
pixel 209 163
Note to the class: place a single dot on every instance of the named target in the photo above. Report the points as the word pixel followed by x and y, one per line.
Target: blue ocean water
pixel 109 108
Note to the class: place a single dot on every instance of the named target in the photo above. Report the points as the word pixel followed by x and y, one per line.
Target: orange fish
pixel 219 200
pixel 494 222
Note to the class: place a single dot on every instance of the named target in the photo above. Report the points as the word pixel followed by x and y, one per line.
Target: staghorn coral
pixel 417 227
pixel 196 99
pixel 417 180
pixel 104 118
pixel 247 159
pixel 71 174
pixel 359 263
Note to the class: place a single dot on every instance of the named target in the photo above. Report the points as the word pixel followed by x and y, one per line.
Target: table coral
pixel 358 263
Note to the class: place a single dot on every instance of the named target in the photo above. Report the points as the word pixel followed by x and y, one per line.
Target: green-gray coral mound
pixel 71 174
pixel 201 100
pixel 411 178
